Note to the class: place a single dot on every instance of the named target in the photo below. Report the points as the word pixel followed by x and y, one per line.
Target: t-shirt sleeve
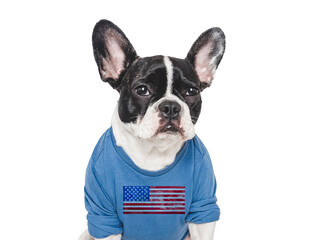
pixel 204 206
pixel 102 217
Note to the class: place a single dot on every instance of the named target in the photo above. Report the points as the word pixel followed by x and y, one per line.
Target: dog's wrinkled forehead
pixel 184 74
pixel 149 70
pixel 144 66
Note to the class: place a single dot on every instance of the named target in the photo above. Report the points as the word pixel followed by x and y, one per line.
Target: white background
pixel 260 118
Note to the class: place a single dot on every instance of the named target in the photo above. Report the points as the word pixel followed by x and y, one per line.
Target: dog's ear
pixel 206 54
pixel 112 51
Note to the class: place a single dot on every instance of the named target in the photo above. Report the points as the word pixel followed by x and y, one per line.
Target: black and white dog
pixel 159 99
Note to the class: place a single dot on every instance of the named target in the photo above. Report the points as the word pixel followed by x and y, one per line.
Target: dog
pixel 149 176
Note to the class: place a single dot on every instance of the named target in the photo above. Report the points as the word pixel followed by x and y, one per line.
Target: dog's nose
pixel 170 109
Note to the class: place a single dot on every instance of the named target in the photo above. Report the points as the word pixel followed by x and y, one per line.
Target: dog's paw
pixel 86 236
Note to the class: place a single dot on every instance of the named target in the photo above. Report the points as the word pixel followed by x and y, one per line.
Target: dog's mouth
pixel 170 127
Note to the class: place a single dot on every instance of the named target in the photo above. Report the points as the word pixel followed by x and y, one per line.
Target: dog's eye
pixel 142 90
pixel 192 91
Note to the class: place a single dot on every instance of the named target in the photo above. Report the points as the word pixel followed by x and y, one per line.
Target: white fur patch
pixel 169 69
pixel 147 126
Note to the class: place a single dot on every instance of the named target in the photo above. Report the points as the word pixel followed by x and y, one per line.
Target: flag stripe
pixel 167 200
pixel 166 195
pixel 166 191
pixel 153 212
pixel 165 187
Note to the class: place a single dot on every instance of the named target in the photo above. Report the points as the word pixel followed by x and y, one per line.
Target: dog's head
pixel 159 96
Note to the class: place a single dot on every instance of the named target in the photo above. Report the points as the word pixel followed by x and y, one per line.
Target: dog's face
pixel 159 96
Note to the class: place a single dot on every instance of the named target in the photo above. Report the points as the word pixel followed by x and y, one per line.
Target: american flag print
pixel 153 200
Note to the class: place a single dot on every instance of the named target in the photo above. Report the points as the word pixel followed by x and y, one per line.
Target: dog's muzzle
pixel 170 117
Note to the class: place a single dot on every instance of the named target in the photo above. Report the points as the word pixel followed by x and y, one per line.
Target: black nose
pixel 170 109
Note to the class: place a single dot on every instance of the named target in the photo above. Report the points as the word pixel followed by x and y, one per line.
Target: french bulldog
pixel 142 197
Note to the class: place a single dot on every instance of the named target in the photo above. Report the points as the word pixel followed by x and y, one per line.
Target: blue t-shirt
pixel 122 198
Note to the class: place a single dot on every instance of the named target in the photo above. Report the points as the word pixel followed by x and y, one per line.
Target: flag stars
pixel 135 193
